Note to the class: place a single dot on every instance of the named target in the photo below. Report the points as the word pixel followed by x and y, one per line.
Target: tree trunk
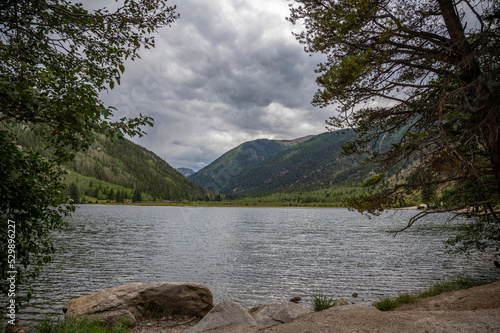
pixel 494 145
pixel 486 112
pixel 466 61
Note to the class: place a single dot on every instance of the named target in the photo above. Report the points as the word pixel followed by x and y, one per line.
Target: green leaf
pixel 373 180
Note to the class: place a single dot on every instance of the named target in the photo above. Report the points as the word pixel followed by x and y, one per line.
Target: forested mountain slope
pixel 217 174
pixel 312 163
pixel 128 166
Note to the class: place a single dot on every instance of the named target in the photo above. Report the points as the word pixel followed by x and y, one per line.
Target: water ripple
pixel 250 255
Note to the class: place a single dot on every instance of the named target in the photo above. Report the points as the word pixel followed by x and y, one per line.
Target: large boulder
pixel 132 301
pixel 278 313
pixel 227 316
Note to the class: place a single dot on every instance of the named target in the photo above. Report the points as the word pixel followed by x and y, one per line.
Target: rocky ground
pixel 471 310
pixel 176 324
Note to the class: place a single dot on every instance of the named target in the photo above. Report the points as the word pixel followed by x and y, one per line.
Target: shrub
pixel 321 303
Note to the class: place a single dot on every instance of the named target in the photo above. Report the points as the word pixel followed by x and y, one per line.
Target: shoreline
pixel 489 298
pixel 475 309
pixel 241 205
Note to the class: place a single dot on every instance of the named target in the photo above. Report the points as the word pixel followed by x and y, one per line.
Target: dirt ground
pixel 471 310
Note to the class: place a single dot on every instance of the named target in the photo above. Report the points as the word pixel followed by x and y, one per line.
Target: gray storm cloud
pixel 226 72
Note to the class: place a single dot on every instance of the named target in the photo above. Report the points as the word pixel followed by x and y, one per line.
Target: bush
pixel 321 303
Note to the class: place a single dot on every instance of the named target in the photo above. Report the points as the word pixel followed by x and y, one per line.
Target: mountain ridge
pixel 120 165
pixel 246 154
pixel 312 161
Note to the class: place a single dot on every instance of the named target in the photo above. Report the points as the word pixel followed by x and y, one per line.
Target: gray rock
pixel 340 302
pixel 279 313
pixel 225 316
pixel 130 302
pixel 351 307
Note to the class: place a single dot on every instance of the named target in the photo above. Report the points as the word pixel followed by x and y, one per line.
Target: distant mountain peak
pixel 186 172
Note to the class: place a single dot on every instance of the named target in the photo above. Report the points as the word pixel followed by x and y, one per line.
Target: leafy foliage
pixel 55 59
pixel 31 194
pixel 426 68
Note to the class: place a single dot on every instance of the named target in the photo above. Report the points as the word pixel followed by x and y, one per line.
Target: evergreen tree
pixel 119 196
pixel 425 69
pixel 137 196
pixel 74 193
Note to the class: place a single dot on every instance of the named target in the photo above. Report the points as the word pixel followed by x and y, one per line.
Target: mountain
pixel 313 162
pixel 121 165
pixel 226 168
pixel 186 172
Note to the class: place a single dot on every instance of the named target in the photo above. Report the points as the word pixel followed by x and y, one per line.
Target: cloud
pixel 226 72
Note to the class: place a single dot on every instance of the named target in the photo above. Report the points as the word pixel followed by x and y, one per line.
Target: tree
pixel 119 196
pixel 30 201
pixel 428 71
pixel 111 195
pixel 55 59
pixel 74 193
pixel 137 196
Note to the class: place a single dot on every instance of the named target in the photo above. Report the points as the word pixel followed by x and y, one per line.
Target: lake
pixel 249 255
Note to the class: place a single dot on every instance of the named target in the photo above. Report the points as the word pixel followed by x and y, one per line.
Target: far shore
pixel 243 204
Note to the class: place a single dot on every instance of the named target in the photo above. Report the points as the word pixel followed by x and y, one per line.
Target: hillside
pixel 110 168
pixel 265 165
pixel 227 168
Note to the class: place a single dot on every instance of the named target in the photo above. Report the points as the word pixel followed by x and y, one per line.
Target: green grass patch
pixel 321 303
pixel 49 325
pixel 387 304
pixel 153 310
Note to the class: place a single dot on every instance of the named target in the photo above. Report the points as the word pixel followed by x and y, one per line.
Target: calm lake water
pixel 249 255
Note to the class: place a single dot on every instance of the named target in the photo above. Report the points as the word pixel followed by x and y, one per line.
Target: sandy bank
pixel 471 310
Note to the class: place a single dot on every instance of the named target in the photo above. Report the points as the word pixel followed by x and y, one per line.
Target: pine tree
pixel 74 193
pixel 137 196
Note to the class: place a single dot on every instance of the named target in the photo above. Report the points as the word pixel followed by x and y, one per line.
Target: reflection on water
pixel 249 255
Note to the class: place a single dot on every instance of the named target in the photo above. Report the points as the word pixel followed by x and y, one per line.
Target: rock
pixel 132 301
pixel 295 299
pixel 340 302
pixel 279 313
pixel 224 315
pixel 352 307
pixel 354 295
pixel 16 328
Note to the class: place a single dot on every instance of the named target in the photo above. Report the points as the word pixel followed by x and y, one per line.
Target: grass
pixel 321 303
pixel 153 310
pixel 49 325
pixel 387 304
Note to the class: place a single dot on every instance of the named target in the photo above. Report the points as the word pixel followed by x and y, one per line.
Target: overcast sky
pixel 226 72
